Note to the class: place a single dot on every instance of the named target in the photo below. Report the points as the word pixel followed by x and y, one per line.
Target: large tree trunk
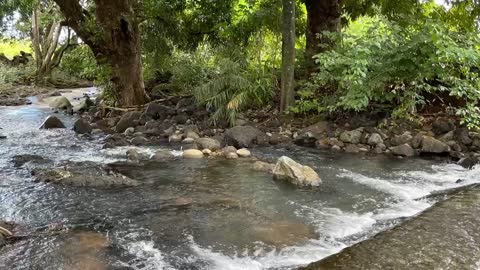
pixel 116 42
pixel 122 38
pixel 322 15
pixel 288 55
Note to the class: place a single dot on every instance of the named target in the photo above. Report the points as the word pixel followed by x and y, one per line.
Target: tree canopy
pixel 341 47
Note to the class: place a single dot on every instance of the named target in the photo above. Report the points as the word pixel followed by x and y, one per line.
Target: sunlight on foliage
pixel 11 47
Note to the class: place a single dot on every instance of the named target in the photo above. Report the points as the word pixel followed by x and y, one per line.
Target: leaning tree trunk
pixel 288 55
pixel 322 15
pixel 116 42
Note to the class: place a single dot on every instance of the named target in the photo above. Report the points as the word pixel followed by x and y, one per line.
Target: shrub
pixel 231 88
pixel 80 62
pixel 377 62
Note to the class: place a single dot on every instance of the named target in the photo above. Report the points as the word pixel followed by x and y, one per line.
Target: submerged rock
pixel 263 166
pixel 287 169
pixel 283 233
pixel 21 160
pixel 83 174
pixel 52 122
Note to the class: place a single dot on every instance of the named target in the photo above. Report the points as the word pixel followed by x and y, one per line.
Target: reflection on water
pixel 200 214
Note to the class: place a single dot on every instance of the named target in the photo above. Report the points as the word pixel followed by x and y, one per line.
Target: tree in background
pixel 287 98
pixel 111 30
pixel 47 27
pixel 322 16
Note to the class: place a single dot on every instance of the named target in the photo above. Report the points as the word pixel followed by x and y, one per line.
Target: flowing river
pixel 200 214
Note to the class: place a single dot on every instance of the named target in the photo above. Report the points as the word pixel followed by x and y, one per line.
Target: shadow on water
pixel 200 214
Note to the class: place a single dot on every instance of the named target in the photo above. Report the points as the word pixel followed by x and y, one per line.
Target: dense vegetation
pixel 402 58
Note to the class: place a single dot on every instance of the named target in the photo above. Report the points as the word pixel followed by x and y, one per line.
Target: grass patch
pixel 11 47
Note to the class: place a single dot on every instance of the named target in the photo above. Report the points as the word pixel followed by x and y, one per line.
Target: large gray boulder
pixel 130 119
pixel 404 138
pixel 83 174
pixel 404 150
pixel 52 122
pixel 243 136
pixel 208 143
pixel 295 173
pixel 309 135
pixel 60 103
pixel 81 126
pixel 433 146
pixel 375 139
pixel 353 137
pixel 263 166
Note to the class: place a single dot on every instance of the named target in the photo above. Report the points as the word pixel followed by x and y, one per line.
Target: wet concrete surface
pixel 445 236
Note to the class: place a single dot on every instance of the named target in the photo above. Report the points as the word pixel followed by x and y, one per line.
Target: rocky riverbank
pixel 178 120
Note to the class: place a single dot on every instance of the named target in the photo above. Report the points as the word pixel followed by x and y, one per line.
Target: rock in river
pixel 263 166
pixel 60 103
pixel 208 143
pixel 287 169
pixel 130 119
pixel 83 174
pixel 81 126
pixel 192 153
pixel 52 122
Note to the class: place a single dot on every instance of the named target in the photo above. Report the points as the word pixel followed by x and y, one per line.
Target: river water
pixel 200 214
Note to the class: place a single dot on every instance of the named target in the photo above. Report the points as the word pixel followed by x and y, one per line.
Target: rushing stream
pixel 200 214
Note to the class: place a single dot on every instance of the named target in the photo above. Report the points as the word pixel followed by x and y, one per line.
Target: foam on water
pixel 336 226
pixel 147 256
pixel 400 190
pixel 285 258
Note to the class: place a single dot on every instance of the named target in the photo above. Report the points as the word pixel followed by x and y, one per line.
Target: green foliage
pixel 80 62
pixel 231 88
pixel 380 63
pixel 23 74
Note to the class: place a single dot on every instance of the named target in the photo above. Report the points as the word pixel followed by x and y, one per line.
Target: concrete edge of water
pixel 348 259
